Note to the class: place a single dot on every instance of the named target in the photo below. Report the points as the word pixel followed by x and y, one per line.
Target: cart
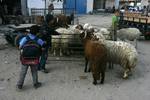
pixel 137 20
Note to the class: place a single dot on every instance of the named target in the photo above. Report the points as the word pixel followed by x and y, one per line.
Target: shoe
pixel 19 87
pixel 37 85
pixel 45 71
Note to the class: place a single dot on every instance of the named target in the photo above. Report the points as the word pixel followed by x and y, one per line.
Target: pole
pixel 75 5
pixel 24 7
pixel 116 4
pixel 64 6
pixel 45 9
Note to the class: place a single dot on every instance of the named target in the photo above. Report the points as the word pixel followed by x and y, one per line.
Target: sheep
pixel 86 26
pixel 61 42
pixel 119 52
pixel 56 44
pixel 122 53
pixel 95 52
pixel 100 33
pixel 105 33
pixel 129 34
pixel 61 20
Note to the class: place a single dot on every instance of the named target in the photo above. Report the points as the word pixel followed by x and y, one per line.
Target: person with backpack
pixel 30 51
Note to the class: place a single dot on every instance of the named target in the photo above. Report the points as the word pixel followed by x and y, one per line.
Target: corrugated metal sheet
pixel 78 5
pixel 81 6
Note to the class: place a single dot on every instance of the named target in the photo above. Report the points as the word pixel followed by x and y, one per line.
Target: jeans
pixel 23 73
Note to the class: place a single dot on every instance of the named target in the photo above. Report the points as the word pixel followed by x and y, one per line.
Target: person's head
pixel 116 12
pixel 51 7
pixel 34 29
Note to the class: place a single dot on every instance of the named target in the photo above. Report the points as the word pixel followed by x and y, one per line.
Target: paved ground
pixel 67 81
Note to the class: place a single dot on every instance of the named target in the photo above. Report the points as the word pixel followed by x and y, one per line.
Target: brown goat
pixel 39 20
pixel 96 55
pixel 61 20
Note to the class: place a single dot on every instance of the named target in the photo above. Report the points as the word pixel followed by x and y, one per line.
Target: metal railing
pixel 43 11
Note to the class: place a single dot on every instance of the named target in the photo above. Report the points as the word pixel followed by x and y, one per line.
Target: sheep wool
pixel 128 33
pixel 105 32
pixel 122 53
pixel 66 37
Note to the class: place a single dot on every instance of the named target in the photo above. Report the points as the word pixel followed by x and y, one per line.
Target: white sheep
pixel 121 53
pixel 56 44
pixel 86 26
pixel 105 33
pixel 61 42
pixel 100 33
pixel 129 34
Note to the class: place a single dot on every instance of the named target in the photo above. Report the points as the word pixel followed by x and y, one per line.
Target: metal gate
pixel 68 42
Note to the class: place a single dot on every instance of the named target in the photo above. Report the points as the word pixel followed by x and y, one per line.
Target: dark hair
pixel 34 29
pixel 117 11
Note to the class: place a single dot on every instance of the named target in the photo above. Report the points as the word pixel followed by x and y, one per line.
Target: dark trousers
pixel 43 58
pixel 115 34
pixel 23 73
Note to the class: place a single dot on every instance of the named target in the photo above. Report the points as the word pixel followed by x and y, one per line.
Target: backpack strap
pixel 35 39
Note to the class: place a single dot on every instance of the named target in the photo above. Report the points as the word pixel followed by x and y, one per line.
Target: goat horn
pixel 85 35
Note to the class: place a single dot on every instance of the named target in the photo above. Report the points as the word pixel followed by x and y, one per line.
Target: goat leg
pixel 110 65
pixel 89 70
pixel 54 51
pixel 60 52
pixel 102 77
pixel 136 43
pixel 86 63
pixel 95 82
pixel 126 73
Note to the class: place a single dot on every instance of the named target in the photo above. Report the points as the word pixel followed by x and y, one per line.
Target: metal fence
pixel 74 46
pixel 68 42
pixel 42 11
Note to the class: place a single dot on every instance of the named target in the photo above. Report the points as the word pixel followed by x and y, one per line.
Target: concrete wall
pixel 24 8
pixel 55 3
pixel 36 3
pixel 109 3
pixel 89 6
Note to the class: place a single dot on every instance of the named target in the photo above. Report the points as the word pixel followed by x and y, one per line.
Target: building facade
pixel 80 6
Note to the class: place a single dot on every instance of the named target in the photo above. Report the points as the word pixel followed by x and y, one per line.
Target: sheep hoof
pixel 89 70
pixel 61 54
pixel 102 82
pixel 85 71
pixel 95 82
pixel 125 76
